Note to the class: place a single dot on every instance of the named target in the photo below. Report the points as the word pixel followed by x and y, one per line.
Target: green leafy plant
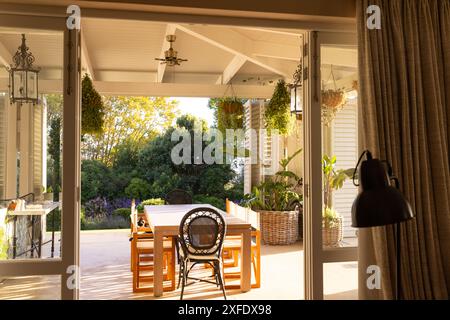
pixel 3 244
pixel 277 114
pixel 230 114
pixel 333 179
pixel 149 202
pixel 330 218
pixel 137 189
pixel 54 150
pixel 277 193
pixel 50 189
pixel 54 220
pixel 92 108
pixel 214 201
pixel 122 212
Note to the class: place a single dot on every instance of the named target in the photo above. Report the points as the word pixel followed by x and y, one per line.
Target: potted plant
pixel 332 101
pixel 230 114
pixel 279 205
pixel 277 114
pixel 48 195
pixel 333 179
pixel 92 108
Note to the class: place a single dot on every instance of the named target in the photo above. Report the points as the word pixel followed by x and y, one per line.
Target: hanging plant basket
pixel 92 115
pixel 230 114
pixel 231 106
pixel 332 101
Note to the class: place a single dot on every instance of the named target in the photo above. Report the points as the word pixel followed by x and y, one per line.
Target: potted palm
pixel 331 220
pixel 279 204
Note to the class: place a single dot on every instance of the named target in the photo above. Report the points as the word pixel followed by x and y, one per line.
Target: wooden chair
pixel 135 228
pixel 143 262
pixel 232 245
pixel 142 249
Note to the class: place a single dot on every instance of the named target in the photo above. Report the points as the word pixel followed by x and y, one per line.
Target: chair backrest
pixel 243 213
pixel 178 196
pixel 202 231
pixel 133 216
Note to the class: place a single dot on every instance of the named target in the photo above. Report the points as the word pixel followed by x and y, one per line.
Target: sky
pixel 197 107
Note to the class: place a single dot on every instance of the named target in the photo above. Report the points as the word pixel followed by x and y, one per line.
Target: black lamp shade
pixel 379 203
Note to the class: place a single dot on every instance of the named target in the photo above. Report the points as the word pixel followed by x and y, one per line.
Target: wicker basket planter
pixel 332 233
pixel 279 227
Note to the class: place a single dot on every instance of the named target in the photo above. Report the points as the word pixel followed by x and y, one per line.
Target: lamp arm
pixel 369 156
pixel 397 183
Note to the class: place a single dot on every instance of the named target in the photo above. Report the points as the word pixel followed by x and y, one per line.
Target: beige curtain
pixel 405 111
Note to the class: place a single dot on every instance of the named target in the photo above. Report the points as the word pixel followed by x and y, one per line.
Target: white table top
pixel 168 217
pixel 46 209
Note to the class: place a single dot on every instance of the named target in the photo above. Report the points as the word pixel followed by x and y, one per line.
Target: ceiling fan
pixel 170 55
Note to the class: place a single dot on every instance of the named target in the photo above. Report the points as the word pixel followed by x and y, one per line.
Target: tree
pixel 138 189
pixel 55 103
pixel 156 166
pixel 54 150
pixel 130 121
pixel 95 180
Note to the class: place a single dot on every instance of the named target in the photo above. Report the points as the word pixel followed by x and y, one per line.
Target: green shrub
pixel 95 180
pixel 101 223
pixel 137 189
pixel 214 201
pixel 122 212
pixel 49 220
pixel 149 202
pixel 3 245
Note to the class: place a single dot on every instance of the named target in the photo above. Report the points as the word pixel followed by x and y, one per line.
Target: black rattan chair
pixel 178 196
pixel 201 236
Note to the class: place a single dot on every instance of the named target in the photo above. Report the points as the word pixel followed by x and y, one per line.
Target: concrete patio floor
pixel 105 274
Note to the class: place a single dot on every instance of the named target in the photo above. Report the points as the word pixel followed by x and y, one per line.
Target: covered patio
pixel 106 275
pixel 243 62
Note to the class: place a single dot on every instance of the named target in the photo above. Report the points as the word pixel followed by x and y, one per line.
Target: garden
pixel 126 155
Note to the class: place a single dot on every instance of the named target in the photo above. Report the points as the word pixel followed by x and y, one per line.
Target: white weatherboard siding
pixel 248 144
pixel 345 147
pixel 38 149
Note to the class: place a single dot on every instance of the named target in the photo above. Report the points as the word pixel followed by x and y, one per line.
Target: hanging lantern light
pixel 296 101
pixel 297 88
pixel 23 77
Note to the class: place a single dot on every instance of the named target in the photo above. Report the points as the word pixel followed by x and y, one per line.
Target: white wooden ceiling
pixel 121 54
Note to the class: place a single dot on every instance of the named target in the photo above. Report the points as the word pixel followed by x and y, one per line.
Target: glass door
pixel 30 136
pixel 331 153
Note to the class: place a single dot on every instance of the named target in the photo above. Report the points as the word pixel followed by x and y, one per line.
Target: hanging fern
pixel 277 114
pixel 230 114
pixel 92 108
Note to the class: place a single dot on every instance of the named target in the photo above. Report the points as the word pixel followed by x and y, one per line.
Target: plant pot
pixel 231 106
pixel 48 196
pixel 279 227
pixel 332 233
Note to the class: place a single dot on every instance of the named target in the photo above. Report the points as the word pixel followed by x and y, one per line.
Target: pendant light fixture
pixel 23 76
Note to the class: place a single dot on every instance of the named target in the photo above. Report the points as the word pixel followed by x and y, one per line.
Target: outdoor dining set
pixel 169 241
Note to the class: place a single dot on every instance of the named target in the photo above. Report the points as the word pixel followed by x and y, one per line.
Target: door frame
pixel 315 254
pixel 71 161
pixel 33 16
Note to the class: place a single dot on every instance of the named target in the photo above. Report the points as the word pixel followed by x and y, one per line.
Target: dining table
pixel 164 221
